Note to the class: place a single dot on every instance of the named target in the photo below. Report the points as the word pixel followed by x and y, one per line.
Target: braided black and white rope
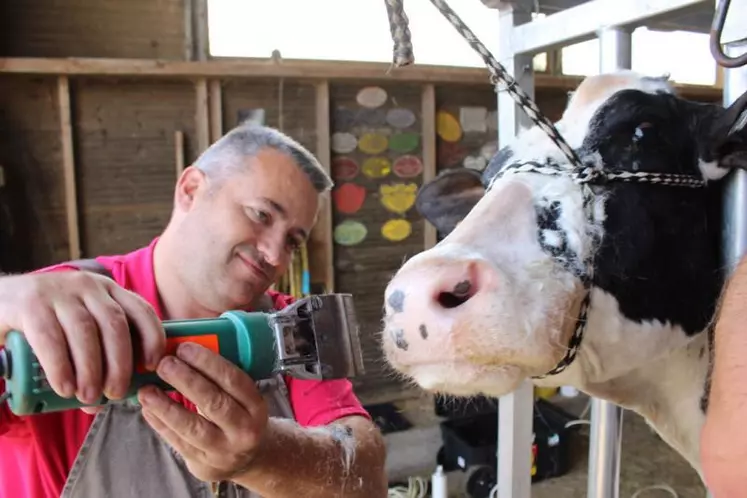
pixel 399 27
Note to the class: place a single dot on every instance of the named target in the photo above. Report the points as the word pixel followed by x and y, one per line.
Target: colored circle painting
pixel 349 197
pixel 396 230
pixel 344 168
pixel 404 142
pixel 373 143
pixel 350 233
pixel 400 118
pixel 448 127
pixel 343 143
pixel 407 167
pixel 376 167
pixel 371 97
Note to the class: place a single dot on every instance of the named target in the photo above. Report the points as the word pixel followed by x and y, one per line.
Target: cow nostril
pixel 461 293
pixel 450 300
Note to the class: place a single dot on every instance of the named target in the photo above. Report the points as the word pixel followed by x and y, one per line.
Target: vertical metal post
pixel 734 234
pixel 515 410
pixel 605 445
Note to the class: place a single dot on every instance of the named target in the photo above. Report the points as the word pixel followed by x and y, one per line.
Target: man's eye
pixel 260 216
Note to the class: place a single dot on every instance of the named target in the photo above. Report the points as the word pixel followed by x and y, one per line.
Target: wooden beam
pixel 179 152
pixel 202 112
pixel 428 119
pixel 68 167
pixel 216 110
pixel 321 249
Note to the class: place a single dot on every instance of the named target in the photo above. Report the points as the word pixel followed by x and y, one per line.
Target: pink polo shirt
pixel 37 452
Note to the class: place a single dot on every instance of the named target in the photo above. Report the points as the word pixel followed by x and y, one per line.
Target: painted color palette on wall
pixel 396 230
pixel 350 233
pixel 404 142
pixel 344 168
pixel 447 127
pixel 371 97
pixel 407 166
pixel 343 143
pixel 349 197
pixel 400 118
pixel 376 167
pixel 373 143
pixel 343 118
pixel 398 198
pixel 371 117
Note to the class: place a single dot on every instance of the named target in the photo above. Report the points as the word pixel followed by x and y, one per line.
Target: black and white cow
pixel 498 300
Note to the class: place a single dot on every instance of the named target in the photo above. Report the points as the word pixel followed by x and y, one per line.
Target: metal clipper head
pixel 318 338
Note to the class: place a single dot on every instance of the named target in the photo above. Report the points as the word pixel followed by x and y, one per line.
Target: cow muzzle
pixel 485 308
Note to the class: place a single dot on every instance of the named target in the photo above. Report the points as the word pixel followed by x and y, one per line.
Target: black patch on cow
pixel 423 331
pixel 397 301
pixel 496 163
pixel 660 251
pixel 553 239
pixel 399 339
pixel 462 288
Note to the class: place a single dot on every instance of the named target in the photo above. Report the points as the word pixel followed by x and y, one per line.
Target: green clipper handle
pixel 245 339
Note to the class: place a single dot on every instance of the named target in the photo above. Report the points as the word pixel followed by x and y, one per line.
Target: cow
pixel 610 286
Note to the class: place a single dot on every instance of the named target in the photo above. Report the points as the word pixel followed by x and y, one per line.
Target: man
pixel 239 213
pixel 724 439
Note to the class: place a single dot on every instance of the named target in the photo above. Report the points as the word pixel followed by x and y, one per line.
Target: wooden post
pixel 216 110
pixel 202 115
pixel 179 152
pixel 428 111
pixel 321 253
pixel 68 167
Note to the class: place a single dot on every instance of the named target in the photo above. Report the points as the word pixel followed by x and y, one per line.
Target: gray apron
pixel 122 457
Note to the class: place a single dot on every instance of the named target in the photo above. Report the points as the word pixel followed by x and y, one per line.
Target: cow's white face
pixel 498 299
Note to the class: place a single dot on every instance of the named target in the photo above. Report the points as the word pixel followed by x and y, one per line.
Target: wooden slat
pixel 216 110
pixel 429 151
pixel 202 115
pixel 68 165
pixel 289 68
pixel 321 254
pixel 179 152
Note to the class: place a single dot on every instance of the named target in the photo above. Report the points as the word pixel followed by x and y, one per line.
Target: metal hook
pixel 719 19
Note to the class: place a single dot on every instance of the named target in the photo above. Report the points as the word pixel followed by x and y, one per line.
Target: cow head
pixel 498 299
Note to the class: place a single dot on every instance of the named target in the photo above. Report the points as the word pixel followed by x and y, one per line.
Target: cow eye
pixel 641 131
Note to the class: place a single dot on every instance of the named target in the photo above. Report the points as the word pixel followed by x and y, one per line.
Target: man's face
pixel 248 227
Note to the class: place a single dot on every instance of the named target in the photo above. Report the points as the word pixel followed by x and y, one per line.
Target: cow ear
pixel 728 135
pixel 447 199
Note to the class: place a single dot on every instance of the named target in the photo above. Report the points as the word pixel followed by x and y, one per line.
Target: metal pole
pixel 605 443
pixel 515 410
pixel 734 235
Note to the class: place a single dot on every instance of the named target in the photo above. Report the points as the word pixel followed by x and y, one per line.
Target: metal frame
pixel 612 22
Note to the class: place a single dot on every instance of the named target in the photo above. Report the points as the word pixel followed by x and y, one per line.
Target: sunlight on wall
pixel 358 30
pixel 351 30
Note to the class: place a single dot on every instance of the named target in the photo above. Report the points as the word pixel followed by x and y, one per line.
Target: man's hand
pixel 76 322
pixel 224 440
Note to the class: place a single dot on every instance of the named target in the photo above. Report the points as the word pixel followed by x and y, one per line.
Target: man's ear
pixel 187 186
pixel 727 135
pixel 448 198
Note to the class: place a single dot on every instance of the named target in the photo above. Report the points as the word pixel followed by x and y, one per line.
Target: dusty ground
pixel 646 460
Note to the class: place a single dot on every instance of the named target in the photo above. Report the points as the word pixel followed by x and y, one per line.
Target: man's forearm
pixel 345 459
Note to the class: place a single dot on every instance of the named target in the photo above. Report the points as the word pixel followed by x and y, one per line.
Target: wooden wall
pixel 156 29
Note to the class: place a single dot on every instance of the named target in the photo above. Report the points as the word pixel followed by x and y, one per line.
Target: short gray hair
pixel 223 157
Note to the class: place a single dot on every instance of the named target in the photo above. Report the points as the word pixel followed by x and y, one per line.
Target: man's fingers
pixel 148 333
pixel 169 416
pixel 116 341
pixel 172 437
pixel 82 334
pixel 225 375
pixel 47 339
